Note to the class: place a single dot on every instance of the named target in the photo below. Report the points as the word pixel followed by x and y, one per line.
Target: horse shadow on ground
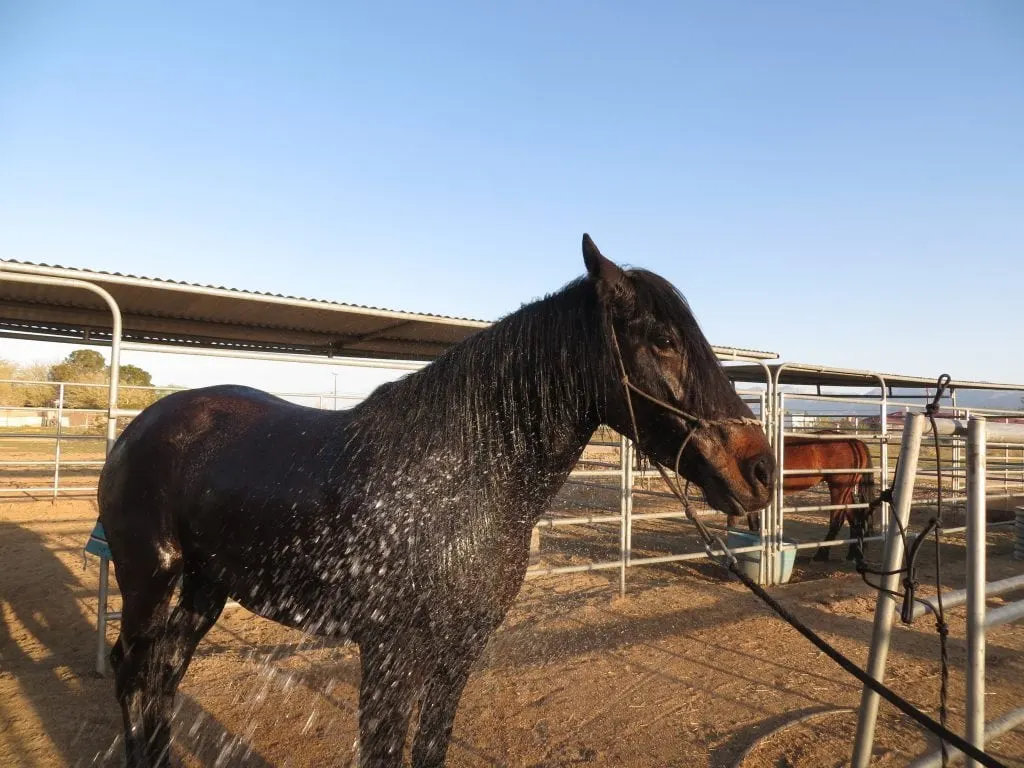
pixel 61 708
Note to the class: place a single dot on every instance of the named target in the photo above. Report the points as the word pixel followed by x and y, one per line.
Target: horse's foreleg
pixel 437 711
pixel 387 691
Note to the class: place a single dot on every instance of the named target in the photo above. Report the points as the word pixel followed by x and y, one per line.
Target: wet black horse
pixel 403 523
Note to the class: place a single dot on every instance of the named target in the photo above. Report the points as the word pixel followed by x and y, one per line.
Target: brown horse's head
pixel 652 336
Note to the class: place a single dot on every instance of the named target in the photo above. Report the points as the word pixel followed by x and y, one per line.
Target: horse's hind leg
pixel 201 603
pixel 147 585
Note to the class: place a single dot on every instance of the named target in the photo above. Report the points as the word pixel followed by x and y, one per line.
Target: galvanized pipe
pixel 903 493
pixel 1010 434
pixel 996 728
pixel 624 498
pixel 959 597
pixel 1004 614
pixel 976 534
pixel 277 357
pixel 842 471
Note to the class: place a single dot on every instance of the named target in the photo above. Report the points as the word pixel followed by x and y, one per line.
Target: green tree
pixel 80 366
pixel 136 399
pixel 83 366
pixel 132 375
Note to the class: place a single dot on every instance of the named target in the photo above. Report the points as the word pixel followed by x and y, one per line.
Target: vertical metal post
pixel 1006 464
pixel 101 617
pixel 773 539
pixel 903 493
pixel 883 508
pixel 625 508
pixel 976 530
pixel 957 453
pixel 56 453
pixel 766 421
pixel 115 375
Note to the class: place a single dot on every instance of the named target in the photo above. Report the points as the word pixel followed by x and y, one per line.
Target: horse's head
pixel 680 401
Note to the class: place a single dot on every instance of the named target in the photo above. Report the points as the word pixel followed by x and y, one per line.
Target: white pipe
pixel 885 605
pixel 996 728
pixel 976 533
pixel 1009 434
pixel 277 357
pixel 959 597
pixel 1004 614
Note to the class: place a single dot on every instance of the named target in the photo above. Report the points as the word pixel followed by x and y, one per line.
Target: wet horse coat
pixel 403 523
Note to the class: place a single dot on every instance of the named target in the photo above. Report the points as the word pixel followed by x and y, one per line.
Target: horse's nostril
pixel 762 471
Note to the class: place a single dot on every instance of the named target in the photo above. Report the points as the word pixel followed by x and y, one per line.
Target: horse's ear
pixel 613 286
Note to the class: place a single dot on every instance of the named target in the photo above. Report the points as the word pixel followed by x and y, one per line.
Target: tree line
pixel 83 366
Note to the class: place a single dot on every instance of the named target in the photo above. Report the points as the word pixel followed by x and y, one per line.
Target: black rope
pixel 941 627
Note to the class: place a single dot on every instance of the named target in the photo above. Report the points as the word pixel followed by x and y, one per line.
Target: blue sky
pixel 839 182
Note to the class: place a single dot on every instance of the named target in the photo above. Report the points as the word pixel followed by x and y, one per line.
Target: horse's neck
pixel 516 404
pixel 544 402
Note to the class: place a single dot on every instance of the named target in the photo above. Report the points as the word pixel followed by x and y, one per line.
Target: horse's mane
pixel 471 399
pixel 470 404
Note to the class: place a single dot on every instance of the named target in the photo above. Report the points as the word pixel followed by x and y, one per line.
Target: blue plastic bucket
pixel 749 562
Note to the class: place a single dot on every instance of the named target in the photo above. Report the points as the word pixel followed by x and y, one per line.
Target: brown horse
pixel 848 453
pixel 806 453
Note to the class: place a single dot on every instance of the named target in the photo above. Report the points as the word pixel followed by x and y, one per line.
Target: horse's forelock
pixel 709 392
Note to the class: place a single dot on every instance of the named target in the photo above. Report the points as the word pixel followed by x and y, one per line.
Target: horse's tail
pixel 866 486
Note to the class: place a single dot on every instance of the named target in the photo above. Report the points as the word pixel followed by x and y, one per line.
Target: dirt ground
pixel 686 670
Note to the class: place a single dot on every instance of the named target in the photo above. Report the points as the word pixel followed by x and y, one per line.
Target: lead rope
pixel 725 558
pixel 936 524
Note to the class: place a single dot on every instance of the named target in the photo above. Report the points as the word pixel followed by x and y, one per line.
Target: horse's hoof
pixel 821 556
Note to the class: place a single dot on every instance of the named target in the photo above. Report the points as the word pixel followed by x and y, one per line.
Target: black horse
pixel 403 523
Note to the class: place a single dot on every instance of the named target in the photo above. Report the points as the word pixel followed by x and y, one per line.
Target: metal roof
pixel 168 312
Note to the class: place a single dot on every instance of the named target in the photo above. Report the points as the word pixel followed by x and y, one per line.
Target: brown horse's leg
pixel 389 686
pixel 836 516
pixel 858 520
pixel 147 585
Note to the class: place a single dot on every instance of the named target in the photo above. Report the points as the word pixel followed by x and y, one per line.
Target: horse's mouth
pixel 722 498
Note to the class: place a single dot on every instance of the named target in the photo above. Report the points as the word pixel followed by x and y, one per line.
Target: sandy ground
pixel 686 670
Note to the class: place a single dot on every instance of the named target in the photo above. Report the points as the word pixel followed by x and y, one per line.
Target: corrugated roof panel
pixel 174 312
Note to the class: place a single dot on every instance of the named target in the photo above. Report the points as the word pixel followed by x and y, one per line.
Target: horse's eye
pixel 663 342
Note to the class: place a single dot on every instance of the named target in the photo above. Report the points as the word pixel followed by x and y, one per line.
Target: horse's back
pixel 156 461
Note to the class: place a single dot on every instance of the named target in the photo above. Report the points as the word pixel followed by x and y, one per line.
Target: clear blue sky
pixel 820 178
